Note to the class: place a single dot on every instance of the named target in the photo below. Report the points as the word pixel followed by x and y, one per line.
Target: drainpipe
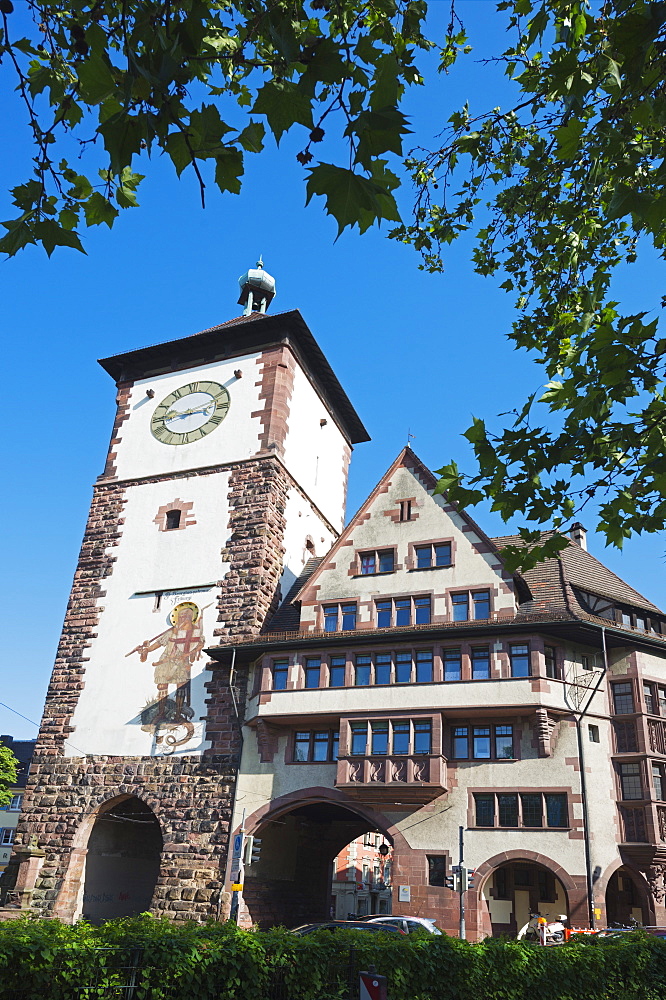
pixel 583 786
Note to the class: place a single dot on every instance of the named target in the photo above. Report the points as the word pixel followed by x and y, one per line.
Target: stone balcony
pixel 410 779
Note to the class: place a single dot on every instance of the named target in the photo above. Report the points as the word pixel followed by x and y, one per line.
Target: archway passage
pixel 516 889
pixel 291 883
pixel 122 863
pixel 362 878
pixel 626 899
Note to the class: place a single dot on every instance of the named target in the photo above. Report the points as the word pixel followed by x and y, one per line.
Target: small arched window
pixel 172 520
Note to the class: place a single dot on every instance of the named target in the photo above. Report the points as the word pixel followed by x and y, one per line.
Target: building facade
pixel 362 878
pixel 236 661
pixel 9 814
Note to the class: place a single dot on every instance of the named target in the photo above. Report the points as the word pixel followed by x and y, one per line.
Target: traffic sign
pixel 238 845
pixel 237 887
pixel 372 986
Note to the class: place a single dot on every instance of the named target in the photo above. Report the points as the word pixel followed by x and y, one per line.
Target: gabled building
pixel 410 684
pixel 234 660
pixel 9 814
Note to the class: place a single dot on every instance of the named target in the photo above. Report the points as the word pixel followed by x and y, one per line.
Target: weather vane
pixel 410 437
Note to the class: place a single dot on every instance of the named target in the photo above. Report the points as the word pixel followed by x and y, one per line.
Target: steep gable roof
pixel 553 580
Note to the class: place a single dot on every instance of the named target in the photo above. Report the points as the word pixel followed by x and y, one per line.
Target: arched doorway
pixel 122 861
pixel 291 883
pixel 626 899
pixel 520 887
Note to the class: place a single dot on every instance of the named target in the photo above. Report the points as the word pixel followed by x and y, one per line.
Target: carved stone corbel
pixel 267 741
pixel 545 731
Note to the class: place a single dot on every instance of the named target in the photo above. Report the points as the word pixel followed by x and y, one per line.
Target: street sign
pixel 404 893
pixel 238 845
pixel 237 887
pixel 372 986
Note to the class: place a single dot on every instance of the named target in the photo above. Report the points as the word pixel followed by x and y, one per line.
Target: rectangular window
pixel 423 666
pixel 630 781
pixel 15 804
pixel 368 563
pixel 403 612
pixel 623 698
pixel 519 655
pixel 380 738
pixel 507 806
pixel 363 668
pixel 320 745
pixel 421 610
pixel 423 556
pixel 436 870
pixel 317 745
pixel 422 737
pixel 405 510
pixel 481 604
pixel 546 884
pixel 551 663
pixel 383 611
pixel 336 673
pixel 556 809
pixel 433 555
pixel 485 810
pixel 504 742
pixel 451 658
pixel 280 674
pixel 331 618
pixel 460 606
pixel 461 742
pixel 403 668
pixel 658 781
pixel 312 671
pixel 443 554
pixel 661 692
pixel 593 734
pixel 348 617
pixel 480 663
pixel 7 835
pixel 386 561
pixel 625 737
pixel 532 807
pixel 383 668
pixel 481 742
pixel 359 738
pixel 401 738
pixel 335 744
pixel 648 698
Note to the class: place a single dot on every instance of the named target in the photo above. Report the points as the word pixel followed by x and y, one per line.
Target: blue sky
pixel 415 352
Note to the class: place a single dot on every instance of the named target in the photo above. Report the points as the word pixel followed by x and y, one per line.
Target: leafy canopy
pixel 116 79
pixel 560 190
pixel 8 772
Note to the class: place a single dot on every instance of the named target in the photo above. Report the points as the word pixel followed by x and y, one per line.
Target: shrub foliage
pixel 216 961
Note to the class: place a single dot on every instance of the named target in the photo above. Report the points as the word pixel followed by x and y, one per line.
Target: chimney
pixel 579 535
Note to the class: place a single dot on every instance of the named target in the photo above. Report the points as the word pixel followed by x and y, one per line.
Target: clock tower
pixel 225 473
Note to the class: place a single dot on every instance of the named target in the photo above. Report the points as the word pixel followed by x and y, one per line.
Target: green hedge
pixel 191 961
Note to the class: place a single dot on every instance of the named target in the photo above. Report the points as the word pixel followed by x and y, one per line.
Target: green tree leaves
pixel 572 176
pixel 149 77
pixel 8 772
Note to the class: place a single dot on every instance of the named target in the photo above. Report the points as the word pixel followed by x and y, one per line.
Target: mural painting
pixel 169 716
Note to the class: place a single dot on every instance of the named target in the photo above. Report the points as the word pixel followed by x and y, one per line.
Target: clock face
pixel 189 413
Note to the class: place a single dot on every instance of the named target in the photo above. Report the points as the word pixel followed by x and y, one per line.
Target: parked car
pixel 346 925
pixel 406 924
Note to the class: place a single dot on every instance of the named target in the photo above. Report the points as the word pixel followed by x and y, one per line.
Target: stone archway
pixel 626 898
pixel 515 882
pixel 301 834
pixel 114 862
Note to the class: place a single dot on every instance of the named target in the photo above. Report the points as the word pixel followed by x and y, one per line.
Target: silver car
pixel 406 924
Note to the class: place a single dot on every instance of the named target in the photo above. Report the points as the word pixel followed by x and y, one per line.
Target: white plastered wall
pixel 303 522
pixel 117 686
pixel 315 453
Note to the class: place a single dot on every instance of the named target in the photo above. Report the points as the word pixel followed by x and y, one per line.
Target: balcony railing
pixel 417 778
